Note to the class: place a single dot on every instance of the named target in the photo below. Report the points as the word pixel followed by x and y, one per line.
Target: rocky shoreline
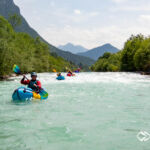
pixel 6 77
pixel 145 73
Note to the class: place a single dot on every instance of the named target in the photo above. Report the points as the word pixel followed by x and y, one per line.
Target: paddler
pixel 59 74
pixel 70 72
pixel 34 84
pixel 79 69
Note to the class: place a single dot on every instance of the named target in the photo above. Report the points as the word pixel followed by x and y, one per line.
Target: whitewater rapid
pixel 90 111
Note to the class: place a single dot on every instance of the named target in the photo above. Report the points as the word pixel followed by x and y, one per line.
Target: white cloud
pixel 52 3
pixel 91 38
pixel 130 8
pixel 77 17
pixel 77 11
pixel 24 2
pixel 88 27
pixel 145 18
pixel 119 1
pixel 93 14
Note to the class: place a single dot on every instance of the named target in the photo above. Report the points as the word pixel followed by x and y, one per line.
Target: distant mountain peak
pixel 108 44
pixel 105 45
pixel 72 48
pixel 69 44
pixel 95 53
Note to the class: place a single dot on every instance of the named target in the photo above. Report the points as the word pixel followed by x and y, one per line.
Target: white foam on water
pixel 92 77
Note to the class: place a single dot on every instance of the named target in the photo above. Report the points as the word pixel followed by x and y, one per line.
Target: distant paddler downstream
pixel 59 75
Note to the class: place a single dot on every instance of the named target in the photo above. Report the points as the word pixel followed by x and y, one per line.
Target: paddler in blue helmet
pixel 34 84
pixel 59 74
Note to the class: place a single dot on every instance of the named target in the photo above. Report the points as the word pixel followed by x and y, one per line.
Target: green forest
pixel 135 56
pixel 28 53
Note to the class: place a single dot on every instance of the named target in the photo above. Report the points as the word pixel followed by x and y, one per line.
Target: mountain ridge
pixel 72 48
pixel 95 53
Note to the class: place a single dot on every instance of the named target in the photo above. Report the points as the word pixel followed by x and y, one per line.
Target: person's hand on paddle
pixel 24 76
pixel 35 85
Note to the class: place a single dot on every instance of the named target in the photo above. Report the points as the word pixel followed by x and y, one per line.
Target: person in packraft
pixel 59 74
pixel 70 72
pixel 79 69
pixel 34 84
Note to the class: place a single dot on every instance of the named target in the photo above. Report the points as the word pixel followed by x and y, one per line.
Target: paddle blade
pixel 54 70
pixel 43 94
pixel 66 68
pixel 16 69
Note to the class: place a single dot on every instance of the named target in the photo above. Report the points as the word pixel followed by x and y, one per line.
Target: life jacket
pixel 31 85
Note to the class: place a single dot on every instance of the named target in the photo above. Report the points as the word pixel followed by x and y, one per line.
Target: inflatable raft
pixel 69 74
pixel 60 78
pixel 76 71
pixel 25 94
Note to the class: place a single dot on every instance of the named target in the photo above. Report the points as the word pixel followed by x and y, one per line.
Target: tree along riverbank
pixel 28 53
pixel 135 57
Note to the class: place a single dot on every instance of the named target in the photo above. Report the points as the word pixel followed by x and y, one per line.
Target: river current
pixel 91 111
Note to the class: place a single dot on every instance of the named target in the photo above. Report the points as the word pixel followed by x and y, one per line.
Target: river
pixel 91 111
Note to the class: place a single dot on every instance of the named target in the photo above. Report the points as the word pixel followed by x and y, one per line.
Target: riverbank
pixel 6 77
pixel 145 73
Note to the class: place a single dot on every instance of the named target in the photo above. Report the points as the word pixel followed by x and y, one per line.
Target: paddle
pixel 69 70
pixel 17 70
pixel 42 92
pixel 54 70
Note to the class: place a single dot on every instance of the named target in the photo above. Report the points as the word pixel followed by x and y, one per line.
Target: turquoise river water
pixel 91 111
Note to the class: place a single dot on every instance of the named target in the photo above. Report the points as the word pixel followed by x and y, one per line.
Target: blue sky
pixel 89 23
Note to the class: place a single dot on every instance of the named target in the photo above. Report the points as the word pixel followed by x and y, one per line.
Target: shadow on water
pixel 20 103
pixel 132 130
pixel 7 121
pixel 26 102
